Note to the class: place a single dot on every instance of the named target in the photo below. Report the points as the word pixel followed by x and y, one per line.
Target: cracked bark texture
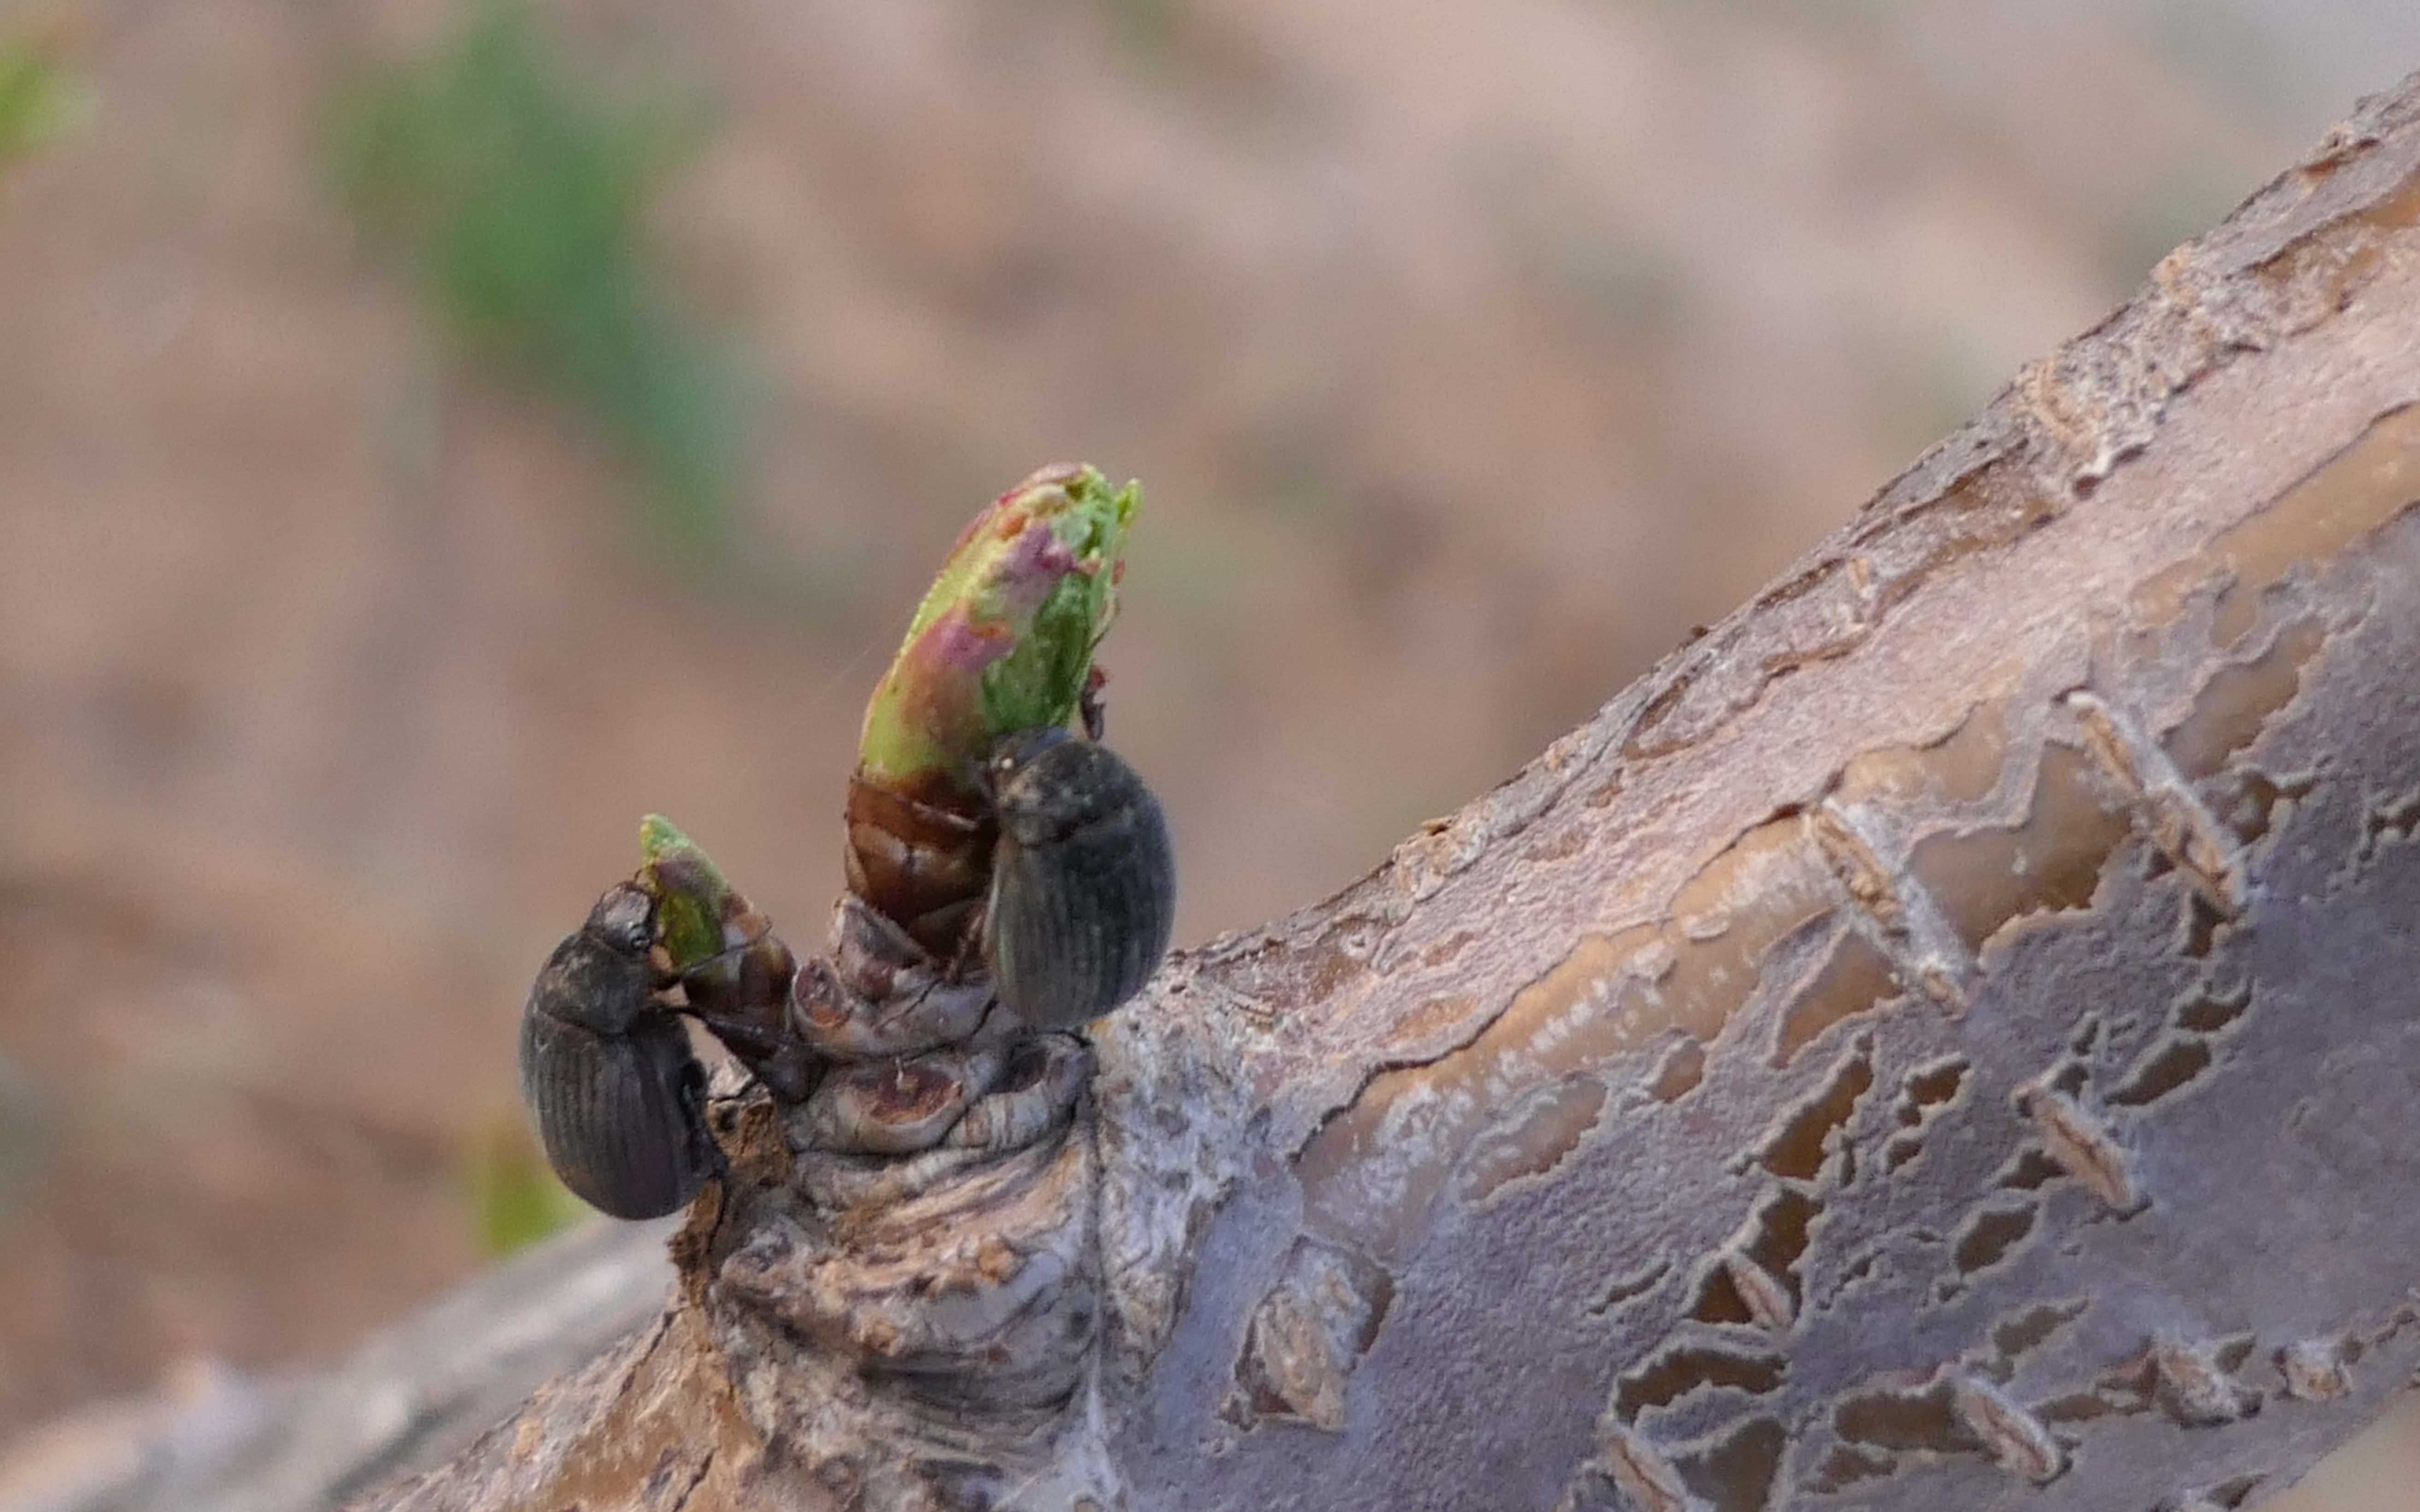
pixel 1946 1038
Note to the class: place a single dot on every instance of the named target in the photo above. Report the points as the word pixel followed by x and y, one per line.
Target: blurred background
pixel 433 434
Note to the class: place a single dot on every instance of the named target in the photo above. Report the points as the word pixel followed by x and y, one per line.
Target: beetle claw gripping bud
pixel 1084 884
pixel 618 1098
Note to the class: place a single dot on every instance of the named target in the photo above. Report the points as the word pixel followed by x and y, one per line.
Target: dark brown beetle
pixel 1083 880
pixel 606 1069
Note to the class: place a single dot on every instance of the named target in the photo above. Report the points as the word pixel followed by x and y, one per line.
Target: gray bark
pixel 1946 1038
pixel 410 1398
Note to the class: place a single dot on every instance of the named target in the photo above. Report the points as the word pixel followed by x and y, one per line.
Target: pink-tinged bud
pixel 1002 643
pixel 1004 639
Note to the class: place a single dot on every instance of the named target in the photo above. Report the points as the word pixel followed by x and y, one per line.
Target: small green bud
pixel 692 899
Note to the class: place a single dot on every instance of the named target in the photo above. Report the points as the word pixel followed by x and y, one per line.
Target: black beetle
pixel 607 1070
pixel 1083 880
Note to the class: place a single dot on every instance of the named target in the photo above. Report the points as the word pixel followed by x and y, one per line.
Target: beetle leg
pixel 1045 1080
pixel 741 994
pixel 1088 707
pixel 897 1106
pixel 916 1010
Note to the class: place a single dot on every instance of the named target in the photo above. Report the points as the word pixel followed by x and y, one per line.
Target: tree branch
pixel 1945 1038
pixel 410 1398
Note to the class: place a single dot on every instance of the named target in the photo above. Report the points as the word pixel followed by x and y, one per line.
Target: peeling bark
pixel 1946 1038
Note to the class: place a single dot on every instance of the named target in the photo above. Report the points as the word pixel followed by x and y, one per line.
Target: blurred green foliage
pixel 39 94
pixel 26 1136
pixel 510 1197
pixel 1146 26
pixel 518 194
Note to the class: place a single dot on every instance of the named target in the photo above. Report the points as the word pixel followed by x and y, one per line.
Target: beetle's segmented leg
pixel 895 1107
pixel 1038 1091
pixel 921 1012
pixel 741 994
pixel 1089 709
